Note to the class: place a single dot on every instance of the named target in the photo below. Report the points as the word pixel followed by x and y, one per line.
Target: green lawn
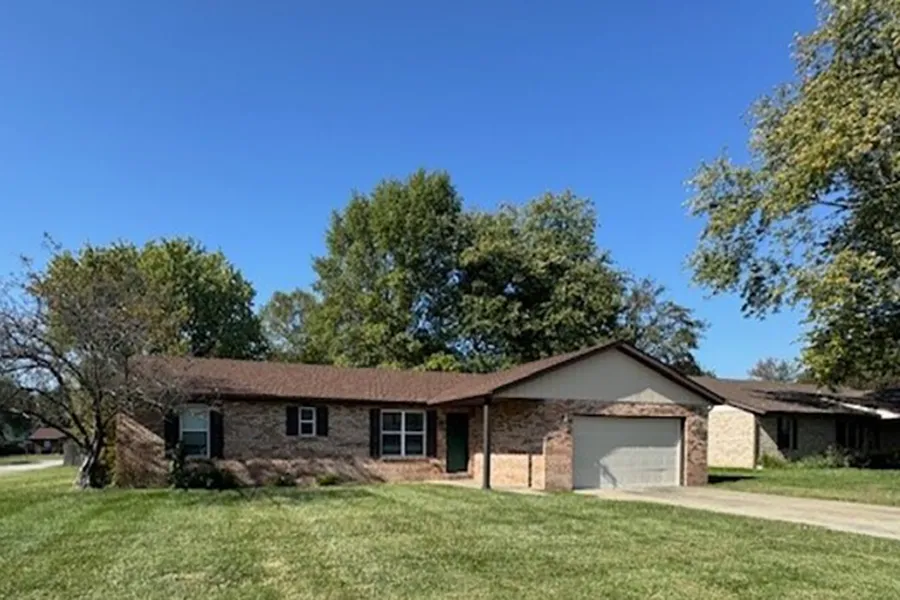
pixel 853 485
pixel 409 541
pixel 21 459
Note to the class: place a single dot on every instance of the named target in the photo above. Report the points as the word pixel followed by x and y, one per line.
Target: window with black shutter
pixel 307 421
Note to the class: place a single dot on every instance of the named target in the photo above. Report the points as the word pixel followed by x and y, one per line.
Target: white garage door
pixel 626 452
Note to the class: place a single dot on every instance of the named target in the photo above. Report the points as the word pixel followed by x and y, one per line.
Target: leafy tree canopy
pixel 813 220
pixel 285 324
pixel 69 344
pixel 205 303
pixel 412 280
pixel 776 369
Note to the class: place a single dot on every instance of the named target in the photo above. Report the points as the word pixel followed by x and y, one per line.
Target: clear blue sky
pixel 244 124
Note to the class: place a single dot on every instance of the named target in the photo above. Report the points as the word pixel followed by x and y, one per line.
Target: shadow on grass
pixel 715 478
pixel 275 495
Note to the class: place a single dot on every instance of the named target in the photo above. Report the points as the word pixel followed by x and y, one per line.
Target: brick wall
pixel 524 429
pixel 257 448
pixel 255 430
pixel 815 433
pixel 732 438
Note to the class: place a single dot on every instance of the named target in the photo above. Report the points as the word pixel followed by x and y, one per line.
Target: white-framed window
pixel 306 418
pixel 194 431
pixel 403 433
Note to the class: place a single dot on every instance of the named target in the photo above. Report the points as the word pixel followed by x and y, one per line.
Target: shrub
pixel 772 461
pixel 884 460
pixel 327 479
pixel 836 457
pixel 11 448
pixel 199 474
pixel 833 458
pixel 283 480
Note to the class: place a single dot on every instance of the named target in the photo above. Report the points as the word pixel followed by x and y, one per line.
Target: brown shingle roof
pixel 771 396
pixel 225 378
pixel 46 433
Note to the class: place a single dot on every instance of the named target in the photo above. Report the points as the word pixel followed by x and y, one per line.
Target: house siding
pixel 606 377
pixel 732 438
pixel 532 440
pixel 815 433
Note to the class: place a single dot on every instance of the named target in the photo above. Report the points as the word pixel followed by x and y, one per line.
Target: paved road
pixel 7 469
pixel 867 519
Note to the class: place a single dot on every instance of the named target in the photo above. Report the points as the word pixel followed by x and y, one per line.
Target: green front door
pixel 457 442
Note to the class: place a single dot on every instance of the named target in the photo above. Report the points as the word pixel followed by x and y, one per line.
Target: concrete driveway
pixel 866 519
pixel 33 466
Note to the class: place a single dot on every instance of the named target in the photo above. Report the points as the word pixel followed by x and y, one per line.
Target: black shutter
pixel 794 440
pixel 431 433
pixel 216 434
pixel 292 420
pixel 322 421
pixel 840 434
pixel 171 431
pixel 375 433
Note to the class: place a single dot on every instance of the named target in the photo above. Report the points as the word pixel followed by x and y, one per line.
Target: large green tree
pixel 411 280
pixel 534 283
pixel 813 220
pixel 286 323
pixel 201 292
pixel 659 326
pixel 387 279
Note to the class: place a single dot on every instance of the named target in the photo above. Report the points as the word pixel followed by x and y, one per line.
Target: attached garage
pixel 618 452
pixel 608 417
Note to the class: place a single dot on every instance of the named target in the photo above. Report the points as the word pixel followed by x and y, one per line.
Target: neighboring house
pixel 791 420
pixel 46 440
pixel 607 416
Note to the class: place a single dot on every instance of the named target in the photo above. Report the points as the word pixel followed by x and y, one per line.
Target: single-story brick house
pixel 792 420
pixel 606 416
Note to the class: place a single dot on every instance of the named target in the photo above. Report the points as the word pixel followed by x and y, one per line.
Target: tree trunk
pixel 93 473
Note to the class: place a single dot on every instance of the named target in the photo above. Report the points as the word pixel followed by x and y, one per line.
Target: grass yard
pixel 23 459
pixel 409 541
pixel 853 485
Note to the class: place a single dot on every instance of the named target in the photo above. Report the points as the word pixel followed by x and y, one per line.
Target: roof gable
pixel 497 382
pixel 614 376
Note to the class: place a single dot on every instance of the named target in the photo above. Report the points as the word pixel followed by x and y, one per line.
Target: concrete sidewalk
pixel 476 485
pixel 33 466
pixel 865 519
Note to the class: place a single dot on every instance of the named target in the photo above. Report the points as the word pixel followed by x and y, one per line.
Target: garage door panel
pixel 614 452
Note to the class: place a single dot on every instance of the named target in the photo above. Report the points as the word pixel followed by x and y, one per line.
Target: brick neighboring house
pixel 606 416
pixel 792 420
